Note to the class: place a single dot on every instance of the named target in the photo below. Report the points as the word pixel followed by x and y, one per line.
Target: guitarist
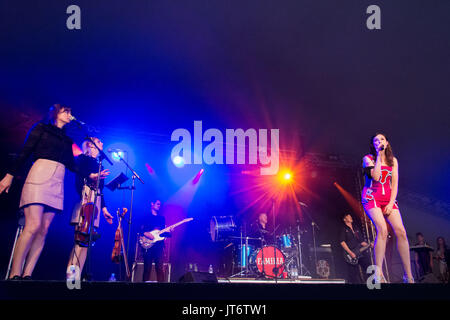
pixel 154 222
pixel 351 240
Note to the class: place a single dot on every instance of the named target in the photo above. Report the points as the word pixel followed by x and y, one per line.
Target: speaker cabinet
pixel 138 272
pixel 324 267
pixel 199 277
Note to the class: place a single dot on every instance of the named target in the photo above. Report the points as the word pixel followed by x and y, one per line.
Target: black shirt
pixel 45 141
pixel 257 231
pixel 353 240
pixel 155 222
pixel 87 165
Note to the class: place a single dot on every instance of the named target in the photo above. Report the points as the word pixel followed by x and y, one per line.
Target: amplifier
pixel 325 267
pixel 137 272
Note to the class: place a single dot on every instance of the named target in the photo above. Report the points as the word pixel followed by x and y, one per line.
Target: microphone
pixel 72 118
pixel 382 147
pixel 110 150
pixel 303 204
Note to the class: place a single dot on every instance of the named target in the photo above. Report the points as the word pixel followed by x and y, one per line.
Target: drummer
pixel 259 229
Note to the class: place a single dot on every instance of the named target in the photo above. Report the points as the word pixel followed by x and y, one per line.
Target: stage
pixel 300 280
pixel 224 290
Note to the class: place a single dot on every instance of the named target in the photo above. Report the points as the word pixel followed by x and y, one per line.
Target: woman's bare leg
pixel 378 220
pixel 396 222
pixel 38 244
pixel 33 221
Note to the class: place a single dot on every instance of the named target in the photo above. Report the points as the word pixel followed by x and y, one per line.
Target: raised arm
pixel 372 169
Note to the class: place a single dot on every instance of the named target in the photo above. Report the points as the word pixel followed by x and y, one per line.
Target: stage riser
pixel 58 290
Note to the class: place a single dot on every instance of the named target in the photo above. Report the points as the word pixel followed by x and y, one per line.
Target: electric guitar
pixel 147 243
pixel 358 251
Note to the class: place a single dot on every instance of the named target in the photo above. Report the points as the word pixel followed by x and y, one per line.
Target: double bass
pixel 119 246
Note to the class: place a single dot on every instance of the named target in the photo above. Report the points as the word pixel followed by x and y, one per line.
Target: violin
pixel 119 246
pixel 88 214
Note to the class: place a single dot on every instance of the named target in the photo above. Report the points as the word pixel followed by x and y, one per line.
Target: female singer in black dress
pixel 43 191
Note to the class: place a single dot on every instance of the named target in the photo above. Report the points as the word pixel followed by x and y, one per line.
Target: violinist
pixel 155 253
pixel 83 214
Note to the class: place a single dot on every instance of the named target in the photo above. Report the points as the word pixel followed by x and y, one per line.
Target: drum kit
pixel 253 257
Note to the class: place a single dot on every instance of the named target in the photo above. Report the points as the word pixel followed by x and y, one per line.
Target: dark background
pixel 137 70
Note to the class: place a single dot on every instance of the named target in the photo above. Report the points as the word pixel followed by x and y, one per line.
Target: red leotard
pixel 377 194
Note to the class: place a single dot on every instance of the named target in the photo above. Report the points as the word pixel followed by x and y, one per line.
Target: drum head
pixel 221 228
pixel 213 228
pixel 266 259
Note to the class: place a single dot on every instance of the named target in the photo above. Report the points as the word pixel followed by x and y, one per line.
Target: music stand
pixel 116 182
pixel 134 176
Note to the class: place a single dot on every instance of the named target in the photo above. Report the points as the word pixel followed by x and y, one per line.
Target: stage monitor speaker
pixel 199 277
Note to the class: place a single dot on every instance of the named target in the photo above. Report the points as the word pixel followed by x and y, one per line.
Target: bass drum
pixel 267 254
pixel 221 228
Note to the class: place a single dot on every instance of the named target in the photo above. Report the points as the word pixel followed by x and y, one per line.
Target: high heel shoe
pixel 408 280
pixel 381 279
pixel 15 278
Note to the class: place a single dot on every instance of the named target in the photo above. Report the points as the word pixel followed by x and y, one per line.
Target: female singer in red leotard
pixel 379 202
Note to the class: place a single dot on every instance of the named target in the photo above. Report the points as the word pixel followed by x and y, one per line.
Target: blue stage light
pixel 116 155
pixel 178 161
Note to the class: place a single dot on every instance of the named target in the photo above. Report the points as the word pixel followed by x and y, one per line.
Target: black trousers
pixel 154 254
pixel 354 275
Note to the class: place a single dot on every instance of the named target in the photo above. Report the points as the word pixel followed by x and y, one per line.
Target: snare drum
pixel 268 254
pixel 221 228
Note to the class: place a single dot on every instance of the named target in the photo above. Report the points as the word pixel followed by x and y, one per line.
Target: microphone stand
pixel 314 225
pixel 275 269
pixel 102 156
pixel 132 188
pixel 300 258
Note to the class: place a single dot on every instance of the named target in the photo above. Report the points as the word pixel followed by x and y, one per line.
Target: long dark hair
pixel 389 153
pixel 54 111
pixel 437 243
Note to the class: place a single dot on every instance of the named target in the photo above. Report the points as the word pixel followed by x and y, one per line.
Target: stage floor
pixel 300 280
pixel 235 290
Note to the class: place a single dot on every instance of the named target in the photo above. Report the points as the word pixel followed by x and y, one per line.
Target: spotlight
pixel 198 176
pixel 178 161
pixel 287 176
pixel 117 155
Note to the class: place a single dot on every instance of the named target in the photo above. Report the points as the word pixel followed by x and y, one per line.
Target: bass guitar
pixel 358 251
pixel 147 243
